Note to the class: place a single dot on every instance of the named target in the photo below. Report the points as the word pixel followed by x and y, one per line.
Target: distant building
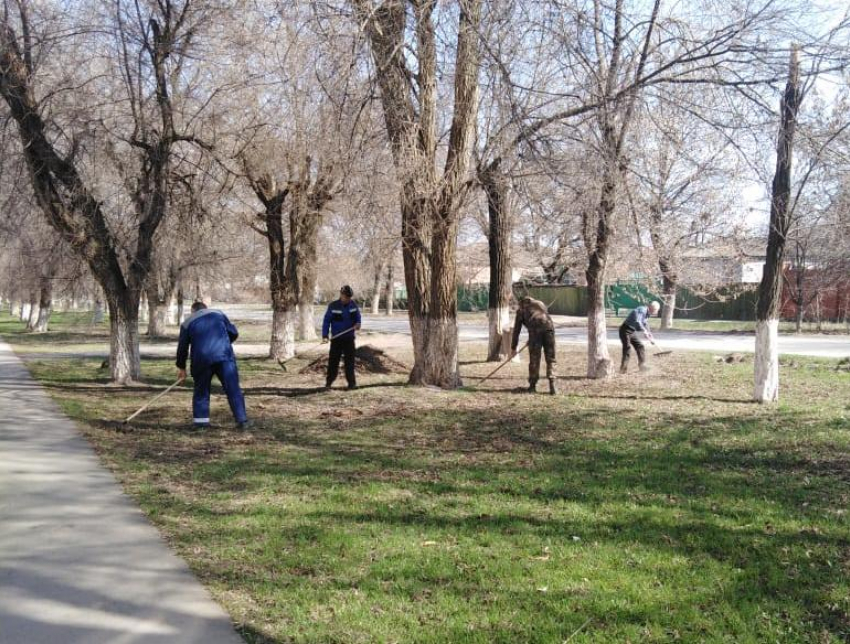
pixel 724 263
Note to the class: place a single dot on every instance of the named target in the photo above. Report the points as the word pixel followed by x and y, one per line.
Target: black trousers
pixel 629 339
pixel 341 348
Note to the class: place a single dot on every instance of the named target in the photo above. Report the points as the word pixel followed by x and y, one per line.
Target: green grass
pixel 653 508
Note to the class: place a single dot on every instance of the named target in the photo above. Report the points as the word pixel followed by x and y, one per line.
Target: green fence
pixel 472 298
pixel 622 296
pixel 561 300
pixel 725 304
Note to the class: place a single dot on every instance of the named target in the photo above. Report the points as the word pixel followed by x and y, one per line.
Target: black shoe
pixel 553 388
pixel 351 387
pixel 197 427
pixel 245 424
pixel 532 388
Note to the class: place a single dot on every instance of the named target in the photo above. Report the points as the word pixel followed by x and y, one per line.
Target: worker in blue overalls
pixel 341 321
pixel 210 335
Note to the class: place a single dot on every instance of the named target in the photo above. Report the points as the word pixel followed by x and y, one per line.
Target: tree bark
pixel 668 298
pixel 390 290
pixel 180 306
pixel 45 305
pixel 500 231
pixel 770 289
pixel 32 315
pixel 429 206
pixel 598 242
pixel 376 288
pixel 69 204
pixel 124 360
pixel 282 279
pixel 97 314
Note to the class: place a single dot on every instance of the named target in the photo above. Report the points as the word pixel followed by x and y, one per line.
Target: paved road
pixel 827 346
pixel 79 563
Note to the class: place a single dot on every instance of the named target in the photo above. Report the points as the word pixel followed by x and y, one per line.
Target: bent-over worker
pixel 637 321
pixel 534 315
pixel 210 335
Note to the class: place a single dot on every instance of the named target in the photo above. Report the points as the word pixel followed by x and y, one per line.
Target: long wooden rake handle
pixel 493 373
pixel 152 401
pixel 282 363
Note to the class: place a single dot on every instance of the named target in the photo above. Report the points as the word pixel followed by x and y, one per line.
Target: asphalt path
pixel 79 562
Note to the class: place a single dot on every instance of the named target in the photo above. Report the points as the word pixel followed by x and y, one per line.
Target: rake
pixel 151 401
pixel 493 373
pixel 659 351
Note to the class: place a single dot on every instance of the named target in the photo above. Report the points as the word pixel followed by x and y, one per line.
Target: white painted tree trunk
pixel 306 323
pixel 24 312
pixel 124 359
pixel 282 345
pixel 43 322
pixel 33 316
pixel 499 321
pixel 97 316
pixel 767 361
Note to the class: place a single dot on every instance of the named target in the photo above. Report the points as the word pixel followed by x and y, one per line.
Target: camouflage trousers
pixel 541 342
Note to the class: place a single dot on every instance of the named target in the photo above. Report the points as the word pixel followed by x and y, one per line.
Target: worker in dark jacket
pixel 210 335
pixel 541 337
pixel 637 321
pixel 341 321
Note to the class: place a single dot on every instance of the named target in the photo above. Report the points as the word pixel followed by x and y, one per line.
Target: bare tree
pixel 430 201
pixel 152 46
pixel 770 289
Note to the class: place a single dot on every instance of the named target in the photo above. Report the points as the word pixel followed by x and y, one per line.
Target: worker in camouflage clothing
pixel 541 337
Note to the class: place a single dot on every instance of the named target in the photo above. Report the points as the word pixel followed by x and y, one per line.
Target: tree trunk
pixel 159 287
pixel 668 303
pixel 499 236
pixel 598 241
pixel 798 316
pixel 97 314
pixel 33 311
pixel 25 311
pixel 429 204
pixel 376 289
pixel 390 293
pixel 282 345
pixel 441 367
pixel 157 315
pixel 770 289
pixel 124 360
pixel 304 221
pixel 180 306
pixel 45 305
pixel 282 276
pixel 306 320
pixel 598 358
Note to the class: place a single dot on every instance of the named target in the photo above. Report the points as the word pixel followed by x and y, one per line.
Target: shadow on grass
pixel 757 515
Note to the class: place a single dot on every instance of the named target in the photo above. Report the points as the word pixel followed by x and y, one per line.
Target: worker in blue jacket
pixel 341 321
pixel 210 335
